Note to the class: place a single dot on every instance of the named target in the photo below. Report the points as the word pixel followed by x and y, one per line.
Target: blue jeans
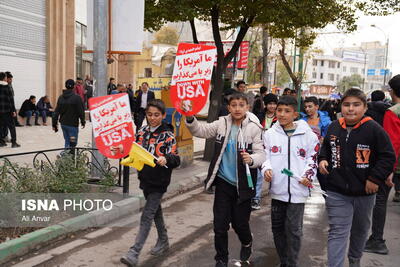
pixel 29 114
pixel 349 217
pixel 68 132
pixel 259 184
pixel 44 113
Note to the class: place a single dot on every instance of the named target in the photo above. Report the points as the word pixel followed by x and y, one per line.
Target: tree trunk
pixel 265 70
pixel 219 70
pixel 194 32
pixel 295 79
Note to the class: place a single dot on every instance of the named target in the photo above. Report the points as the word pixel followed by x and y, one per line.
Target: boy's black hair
pixel 263 90
pixel 146 84
pixel 69 84
pixel 32 97
pixel 237 95
pixel 312 99
pixel 239 83
pixel 394 84
pixel 9 75
pixel 112 79
pixel 377 95
pixel 2 76
pixel 79 79
pixel 355 92
pixel 288 101
pixel 158 104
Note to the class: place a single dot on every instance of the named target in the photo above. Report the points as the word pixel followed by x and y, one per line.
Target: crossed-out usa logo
pixel 301 152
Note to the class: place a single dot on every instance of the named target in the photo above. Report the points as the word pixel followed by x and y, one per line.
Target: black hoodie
pixel 161 142
pixel 365 153
pixel 376 110
pixel 69 109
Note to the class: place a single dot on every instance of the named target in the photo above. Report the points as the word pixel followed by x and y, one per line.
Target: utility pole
pixel 100 34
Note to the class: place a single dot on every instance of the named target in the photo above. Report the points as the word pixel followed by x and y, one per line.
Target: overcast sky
pixel 365 33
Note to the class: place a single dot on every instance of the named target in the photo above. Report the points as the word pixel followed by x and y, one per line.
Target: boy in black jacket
pixel 158 138
pixel 357 156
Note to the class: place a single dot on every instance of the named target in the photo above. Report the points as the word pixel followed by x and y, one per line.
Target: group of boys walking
pixel 353 157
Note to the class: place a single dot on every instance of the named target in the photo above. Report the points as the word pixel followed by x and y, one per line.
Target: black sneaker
pixel 130 259
pixel 221 264
pixel 37 124
pixel 396 197
pixel 28 124
pixel 245 252
pixel 160 247
pixel 377 247
pixel 14 145
pixel 255 204
pixel 2 144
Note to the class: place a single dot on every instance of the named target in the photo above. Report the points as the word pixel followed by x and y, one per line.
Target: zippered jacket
pixel 220 129
pixel 324 121
pixel 298 153
pixel 161 142
pixel 365 153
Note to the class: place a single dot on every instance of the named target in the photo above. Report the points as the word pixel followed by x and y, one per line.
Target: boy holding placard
pixel 158 138
pixel 233 170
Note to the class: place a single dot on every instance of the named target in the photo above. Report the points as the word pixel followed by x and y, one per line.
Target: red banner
pixel 112 124
pixel 191 77
pixel 242 54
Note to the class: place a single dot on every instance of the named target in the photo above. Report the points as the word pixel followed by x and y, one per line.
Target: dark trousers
pixel 44 114
pixel 379 212
pixel 287 228
pixel 29 114
pixel 228 211
pixel 7 121
pixel 139 118
pixel 151 211
pixel 3 132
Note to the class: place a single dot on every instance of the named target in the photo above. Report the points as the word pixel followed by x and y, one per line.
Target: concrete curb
pixel 34 240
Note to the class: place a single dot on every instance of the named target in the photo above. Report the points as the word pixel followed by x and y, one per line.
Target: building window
pixel 148 73
pixel 314 75
pixel 332 64
pixel 331 76
pixel 80 46
pixel 315 62
pixel 338 65
pixel 321 75
pixel 353 70
pixel 322 63
pixel 344 69
pixel 337 77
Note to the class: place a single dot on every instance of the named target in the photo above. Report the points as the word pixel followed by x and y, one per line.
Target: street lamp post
pixel 386 51
pixel 365 66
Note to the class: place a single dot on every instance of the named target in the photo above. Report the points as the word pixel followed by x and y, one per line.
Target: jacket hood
pixel 67 93
pixel 301 127
pixel 378 106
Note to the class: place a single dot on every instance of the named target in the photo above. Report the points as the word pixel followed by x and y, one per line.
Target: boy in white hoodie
pixel 294 146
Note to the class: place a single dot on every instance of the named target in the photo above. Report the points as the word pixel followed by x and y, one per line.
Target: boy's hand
pixel 246 158
pixel 268 175
pixel 389 180
pixel 323 167
pixel 162 161
pixel 371 188
pixel 306 182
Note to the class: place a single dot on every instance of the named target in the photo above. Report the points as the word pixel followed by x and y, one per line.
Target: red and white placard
pixel 112 124
pixel 191 77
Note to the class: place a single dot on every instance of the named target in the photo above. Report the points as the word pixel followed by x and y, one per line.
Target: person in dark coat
pixel 144 97
pixel 7 111
pixel 44 108
pixel 377 107
pixel 28 109
pixel 69 111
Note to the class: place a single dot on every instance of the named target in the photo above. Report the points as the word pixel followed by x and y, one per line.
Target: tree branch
pixel 286 63
pixel 242 33
pixel 217 35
